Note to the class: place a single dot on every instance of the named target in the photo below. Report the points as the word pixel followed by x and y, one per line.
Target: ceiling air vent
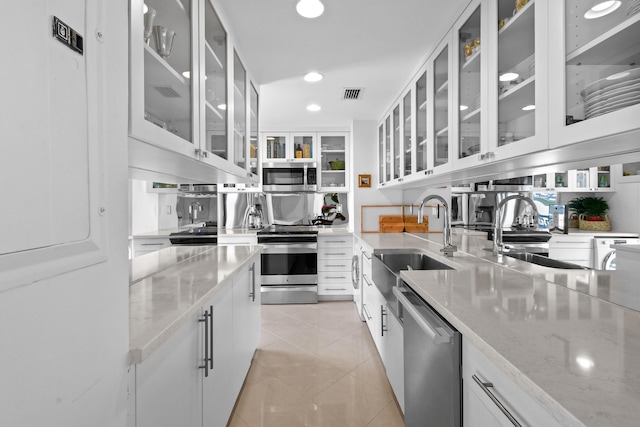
pixel 351 93
pixel 167 91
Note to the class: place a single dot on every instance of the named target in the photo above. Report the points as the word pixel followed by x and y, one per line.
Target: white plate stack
pixel 616 91
pixel 633 7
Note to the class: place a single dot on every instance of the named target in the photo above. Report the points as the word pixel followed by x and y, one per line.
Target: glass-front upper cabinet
pixel 470 81
pixel 421 122
pixel 387 149
pixel 381 152
pixel 441 108
pixel 289 147
pixel 215 82
pixel 396 142
pixel 516 71
pixel 254 129
pixel 406 134
pixel 161 35
pixel 240 111
pixel 598 54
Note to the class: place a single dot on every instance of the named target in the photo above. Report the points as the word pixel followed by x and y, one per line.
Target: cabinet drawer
pixel 342 265
pixel 335 277
pixel 571 255
pixel 335 242
pixel 238 240
pixel 335 253
pixel 150 245
pixel 577 243
pixel 343 288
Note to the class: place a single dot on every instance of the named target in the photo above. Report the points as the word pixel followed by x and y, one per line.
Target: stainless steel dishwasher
pixel 432 364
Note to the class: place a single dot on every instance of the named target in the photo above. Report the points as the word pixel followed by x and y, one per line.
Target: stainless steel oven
pixel 286 177
pixel 289 267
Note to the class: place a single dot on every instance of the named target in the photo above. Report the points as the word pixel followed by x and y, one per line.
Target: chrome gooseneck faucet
pixel 448 249
pixel 497 226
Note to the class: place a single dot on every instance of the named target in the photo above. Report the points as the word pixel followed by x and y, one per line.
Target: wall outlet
pixel 168 209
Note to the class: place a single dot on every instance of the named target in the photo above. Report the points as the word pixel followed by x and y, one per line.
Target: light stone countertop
pixel 322 230
pixel 529 322
pixel 170 285
pixel 628 248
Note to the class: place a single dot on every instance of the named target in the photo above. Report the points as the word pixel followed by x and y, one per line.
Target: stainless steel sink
pixel 388 263
pixel 414 260
pixel 544 261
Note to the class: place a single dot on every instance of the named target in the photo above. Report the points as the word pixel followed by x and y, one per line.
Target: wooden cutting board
pixel 398 224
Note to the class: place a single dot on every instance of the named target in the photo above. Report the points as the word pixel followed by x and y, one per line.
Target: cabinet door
pixel 215 84
pixel 381 154
pixel 441 141
pixel 334 147
pixel 593 52
pixel 471 86
pixel 393 360
pixel 169 383
pixel 408 150
pixel 303 147
pixel 254 129
pixel 163 61
pixel 246 322
pixel 52 142
pixel 276 146
pixel 217 401
pixel 240 101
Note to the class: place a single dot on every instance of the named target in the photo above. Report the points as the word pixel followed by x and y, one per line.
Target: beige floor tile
pixel 391 416
pixel 372 372
pixel 316 366
pixel 353 401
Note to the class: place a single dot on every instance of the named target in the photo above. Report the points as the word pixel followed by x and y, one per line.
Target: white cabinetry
pixel 334 266
pixel 289 146
pixel 194 378
pixel 593 62
pixel 53 140
pixel 594 179
pixel 575 249
pixel 145 245
pixel 190 104
pixel 482 379
pixel 334 161
pixel 238 239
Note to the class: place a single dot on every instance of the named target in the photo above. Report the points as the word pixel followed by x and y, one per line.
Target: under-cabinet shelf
pixel 442 132
pixel 161 79
pixel 443 88
pixel 472 63
pixel 472 117
pixel 213 110
pixel 621 39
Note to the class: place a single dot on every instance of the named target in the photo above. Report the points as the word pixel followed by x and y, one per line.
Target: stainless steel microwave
pixel 286 177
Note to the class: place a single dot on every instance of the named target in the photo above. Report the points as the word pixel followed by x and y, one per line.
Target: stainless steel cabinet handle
pixel 336 289
pixel 335 241
pixel 367 256
pixel 335 277
pixel 366 312
pixel 205 319
pixel 152 244
pixel 485 387
pixel 211 337
pixel 252 294
pixel 335 265
pixel 383 314
pixel 335 253
pixel 366 279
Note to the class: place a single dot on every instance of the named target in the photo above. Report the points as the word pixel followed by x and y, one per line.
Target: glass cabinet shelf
pixel 469 85
pixel 602 51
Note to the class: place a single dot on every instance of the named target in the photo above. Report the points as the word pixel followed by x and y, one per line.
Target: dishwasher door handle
pixel 437 334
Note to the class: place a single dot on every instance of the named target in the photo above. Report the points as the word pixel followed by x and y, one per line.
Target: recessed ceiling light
pixel 529 107
pixel 145 8
pixel 602 9
pixel 507 77
pixel 310 8
pixel 585 362
pixel 618 75
pixel 314 107
pixel 464 107
pixel 222 106
pixel 313 77
pixel 187 75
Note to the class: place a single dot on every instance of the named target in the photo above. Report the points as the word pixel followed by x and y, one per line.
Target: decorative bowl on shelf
pixel 337 165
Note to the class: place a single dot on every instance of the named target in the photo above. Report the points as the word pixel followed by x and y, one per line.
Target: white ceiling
pixel 377 45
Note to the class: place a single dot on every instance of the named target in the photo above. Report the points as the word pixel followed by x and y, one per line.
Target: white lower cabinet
pixel 334 266
pixel 172 386
pixel 571 248
pixel 146 245
pixel 393 354
pixel 479 409
pixel 238 239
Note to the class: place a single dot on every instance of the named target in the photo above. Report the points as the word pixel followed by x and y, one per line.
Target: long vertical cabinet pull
pixel 211 337
pixel 485 387
pixel 252 294
pixel 205 319
pixel 383 314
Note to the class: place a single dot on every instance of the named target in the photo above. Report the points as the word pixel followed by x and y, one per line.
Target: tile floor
pixel 316 365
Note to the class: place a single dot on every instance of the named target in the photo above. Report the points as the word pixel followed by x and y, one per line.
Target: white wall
pixel 151 211
pixel 364 153
pixel 64 341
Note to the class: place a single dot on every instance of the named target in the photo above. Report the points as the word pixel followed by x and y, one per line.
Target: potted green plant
pixel 595 208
